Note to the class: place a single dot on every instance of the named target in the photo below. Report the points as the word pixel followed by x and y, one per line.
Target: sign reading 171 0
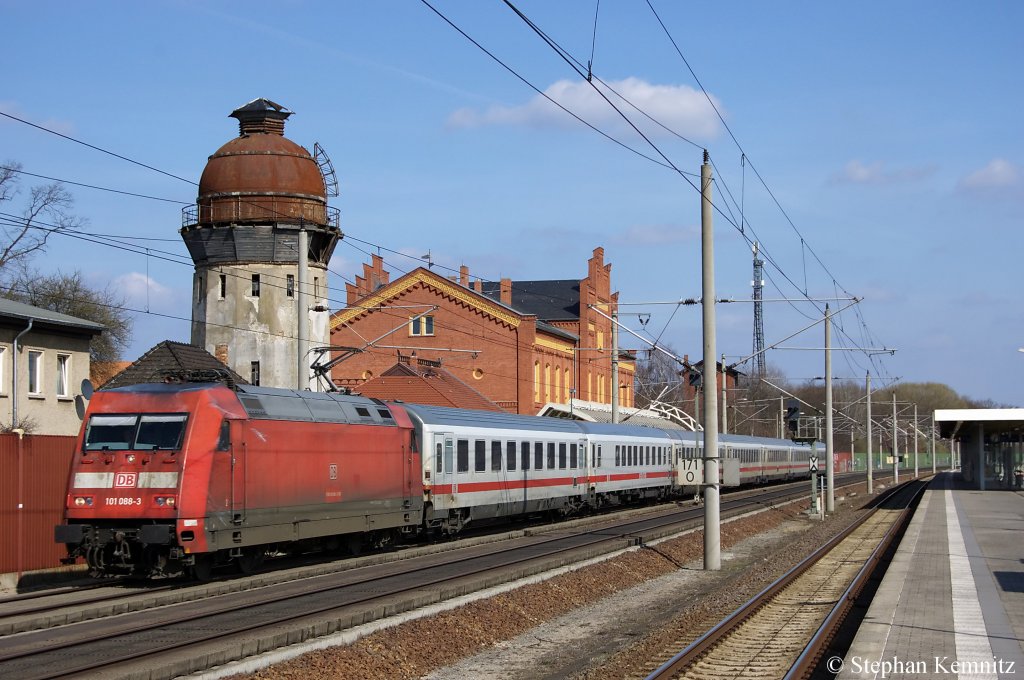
pixel 691 472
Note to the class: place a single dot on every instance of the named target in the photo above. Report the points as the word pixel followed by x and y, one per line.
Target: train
pixel 179 477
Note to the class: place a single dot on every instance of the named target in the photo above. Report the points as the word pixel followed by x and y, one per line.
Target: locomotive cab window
pixel 160 432
pixel 110 433
pixel 145 432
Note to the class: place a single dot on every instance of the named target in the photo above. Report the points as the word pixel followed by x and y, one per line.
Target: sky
pixel 873 149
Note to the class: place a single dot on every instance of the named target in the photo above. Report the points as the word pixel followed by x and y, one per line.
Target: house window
pixel 289 286
pixel 3 370
pixel 35 372
pixel 254 373
pixel 223 286
pixel 63 370
pixel 422 325
pixel 255 285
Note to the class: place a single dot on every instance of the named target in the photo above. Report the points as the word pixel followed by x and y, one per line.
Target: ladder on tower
pixel 326 169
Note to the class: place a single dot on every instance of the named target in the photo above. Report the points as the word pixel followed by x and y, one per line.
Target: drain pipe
pixel 14 373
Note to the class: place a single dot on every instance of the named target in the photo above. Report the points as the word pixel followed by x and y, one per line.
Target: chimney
pixel 478 286
pixel 505 294
pixel 464 275
pixel 261 116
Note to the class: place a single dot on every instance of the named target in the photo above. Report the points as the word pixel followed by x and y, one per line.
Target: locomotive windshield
pixel 145 432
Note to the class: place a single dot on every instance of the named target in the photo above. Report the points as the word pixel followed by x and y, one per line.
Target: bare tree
pixel 45 212
pixel 69 294
pixel 658 378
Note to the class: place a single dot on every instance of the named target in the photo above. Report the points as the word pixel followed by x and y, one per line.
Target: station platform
pixel 951 604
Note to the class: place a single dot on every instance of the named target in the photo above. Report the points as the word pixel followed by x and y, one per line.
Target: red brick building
pixel 521 344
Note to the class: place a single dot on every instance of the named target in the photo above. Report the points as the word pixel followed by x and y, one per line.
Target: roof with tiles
pixel 169 358
pixel 425 382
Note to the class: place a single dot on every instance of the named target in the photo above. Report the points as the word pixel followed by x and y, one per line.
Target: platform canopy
pixel 953 422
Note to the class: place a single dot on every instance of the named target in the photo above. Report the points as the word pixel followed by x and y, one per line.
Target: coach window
pixel 574 458
pixel 524 455
pixel 510 455
pixel 538 456
pixel 599 452
pixel 495 456
pixel 463 455
pixel 438 458
pixel 551 456
pixel 617 463
pixel 561 455
pixel 479 455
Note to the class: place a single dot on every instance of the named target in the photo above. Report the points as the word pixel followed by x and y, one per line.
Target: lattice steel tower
pixel 758 284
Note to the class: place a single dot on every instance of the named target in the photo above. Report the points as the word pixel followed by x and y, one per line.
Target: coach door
pixel 444 464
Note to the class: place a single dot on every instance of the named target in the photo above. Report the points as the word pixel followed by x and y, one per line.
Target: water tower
pixel 261 235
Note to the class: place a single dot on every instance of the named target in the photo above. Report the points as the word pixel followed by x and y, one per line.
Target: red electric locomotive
pixel 179 477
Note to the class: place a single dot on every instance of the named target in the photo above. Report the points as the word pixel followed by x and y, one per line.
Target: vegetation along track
pixel 781 632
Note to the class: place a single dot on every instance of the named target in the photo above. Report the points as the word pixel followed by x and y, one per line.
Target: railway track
pixel 285 607
pixel 782 631
pixel 62 606
pixel 191 636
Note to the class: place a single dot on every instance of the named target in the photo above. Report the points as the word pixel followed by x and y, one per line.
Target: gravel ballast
pixel 620 617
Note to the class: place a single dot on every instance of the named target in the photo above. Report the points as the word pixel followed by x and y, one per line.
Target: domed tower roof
pixel 261 176
pixel 260 180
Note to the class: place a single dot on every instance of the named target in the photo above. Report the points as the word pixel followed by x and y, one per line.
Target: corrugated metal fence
pixel 38 466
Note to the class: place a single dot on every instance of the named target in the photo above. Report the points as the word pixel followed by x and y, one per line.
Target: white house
pixel 44 357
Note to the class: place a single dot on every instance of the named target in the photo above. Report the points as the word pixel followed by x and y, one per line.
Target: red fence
pixel 33 474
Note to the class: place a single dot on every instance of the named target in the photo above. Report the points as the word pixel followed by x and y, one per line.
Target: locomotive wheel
pixel 251 559
pixel 202 569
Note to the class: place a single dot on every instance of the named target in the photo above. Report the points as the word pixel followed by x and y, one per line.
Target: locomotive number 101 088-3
pixel 121 500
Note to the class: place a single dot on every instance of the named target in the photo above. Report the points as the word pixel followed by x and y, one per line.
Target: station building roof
pixel 996 420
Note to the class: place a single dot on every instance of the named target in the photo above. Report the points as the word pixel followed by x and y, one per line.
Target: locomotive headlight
pixel 83 501
pixel 130 458
pixel 165 501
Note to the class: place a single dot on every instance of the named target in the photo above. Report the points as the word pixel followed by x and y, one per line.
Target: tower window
pixel 223 286
pixel 316 287
pixel 255 285
pixel 254 373
pixel 423 325
pixel 289 287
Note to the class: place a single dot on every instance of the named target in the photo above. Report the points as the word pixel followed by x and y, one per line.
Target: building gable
pixel 429 281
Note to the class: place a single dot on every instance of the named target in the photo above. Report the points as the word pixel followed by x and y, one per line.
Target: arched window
pixel 557 394
pixel 547 382
pixel 536 381
pixel 568 378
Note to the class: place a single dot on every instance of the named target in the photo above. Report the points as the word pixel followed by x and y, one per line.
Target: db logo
pixel 126 479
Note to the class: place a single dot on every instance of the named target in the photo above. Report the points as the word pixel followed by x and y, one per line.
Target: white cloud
pixel 999 175
pixel 856 172
pixel 679 107
pixel 140 290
